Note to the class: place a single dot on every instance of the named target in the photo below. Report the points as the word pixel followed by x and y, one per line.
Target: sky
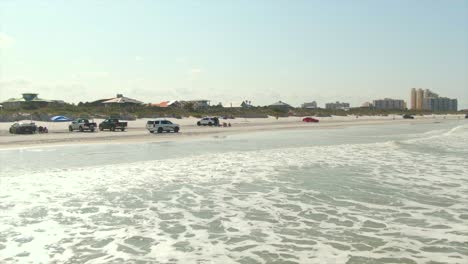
pixel 228 51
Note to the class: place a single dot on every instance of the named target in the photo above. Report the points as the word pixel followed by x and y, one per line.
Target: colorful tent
pixel 60 119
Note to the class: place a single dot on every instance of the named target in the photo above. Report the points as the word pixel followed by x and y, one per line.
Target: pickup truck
pixel 82 124
pixel 162 125
pixel 112 124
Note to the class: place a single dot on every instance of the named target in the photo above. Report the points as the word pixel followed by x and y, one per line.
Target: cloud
pixel 138 58
pixel 6 41
pixel 91 74
pixel 181 60
pixel 13 84
pixel 195 74
pixel 195 71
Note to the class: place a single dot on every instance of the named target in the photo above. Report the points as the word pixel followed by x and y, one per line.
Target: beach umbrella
pixel 60 119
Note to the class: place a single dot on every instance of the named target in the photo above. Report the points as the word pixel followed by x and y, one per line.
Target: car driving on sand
pixel 23 128
pixel 407 116
pixel 162 125
pixel 113 124
pixel 81 125
pixel 208 121
pixel 310 120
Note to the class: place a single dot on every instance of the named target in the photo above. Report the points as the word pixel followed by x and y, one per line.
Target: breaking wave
pixel 392 202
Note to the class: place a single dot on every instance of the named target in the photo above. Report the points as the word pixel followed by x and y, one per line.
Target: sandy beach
pixel 59 134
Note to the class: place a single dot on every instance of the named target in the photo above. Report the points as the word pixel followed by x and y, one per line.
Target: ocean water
pixel 382 194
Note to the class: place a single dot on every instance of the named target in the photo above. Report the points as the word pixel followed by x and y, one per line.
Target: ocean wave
pixel 350 203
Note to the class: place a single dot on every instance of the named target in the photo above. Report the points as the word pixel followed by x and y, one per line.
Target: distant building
pixel 413 98
pixel 337 106
pixel 311 105
pixel 198 103
pixel 122 100
pixel 430 94
pixel 367 105
pixel 243 104
pixel 419 99
pixel 430 101
pixel 30 99
pixel 440 104
pixel 280 105
pixel 389 104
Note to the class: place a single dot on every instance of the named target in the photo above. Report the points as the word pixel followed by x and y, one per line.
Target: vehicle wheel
pixel 122 129
pixel 176 130
pixel 198 123
pixel 101 128
pixel 70 128
pixel 210 124
pixel 81 129
pixel 160 130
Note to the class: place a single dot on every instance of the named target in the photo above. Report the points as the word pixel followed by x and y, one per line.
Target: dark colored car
pixel 112 124
pixel 408 116
pixel 466 116
pixel 23 128
pixel 310 120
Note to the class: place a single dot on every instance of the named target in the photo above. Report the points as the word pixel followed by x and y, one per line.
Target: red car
pixel 310 120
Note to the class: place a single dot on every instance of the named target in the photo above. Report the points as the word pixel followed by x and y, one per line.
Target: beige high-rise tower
pixel 413 98
pixel 419 99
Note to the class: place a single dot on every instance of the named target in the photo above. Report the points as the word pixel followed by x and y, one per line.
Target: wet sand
pixel 136 132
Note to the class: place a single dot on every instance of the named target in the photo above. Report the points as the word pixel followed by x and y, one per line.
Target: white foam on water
pixel 393 201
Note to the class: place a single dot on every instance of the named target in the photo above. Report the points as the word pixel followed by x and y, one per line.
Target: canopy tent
pixel 60 119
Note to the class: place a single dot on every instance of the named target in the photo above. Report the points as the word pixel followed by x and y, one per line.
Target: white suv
pixel 161 125
pixel 208 121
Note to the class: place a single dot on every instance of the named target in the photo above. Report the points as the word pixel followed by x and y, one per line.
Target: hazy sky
pixel 263 51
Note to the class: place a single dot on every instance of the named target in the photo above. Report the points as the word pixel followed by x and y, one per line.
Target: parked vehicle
pixel 310 120
pixel 408 116
pixel 466 116
pixel 113 124
pixel 23 128
pixel 208 121
pixel 162 125
pixel 81 125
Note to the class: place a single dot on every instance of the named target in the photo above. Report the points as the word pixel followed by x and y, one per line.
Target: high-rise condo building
pixel 419 99
pixel 430 101
pixel 413 98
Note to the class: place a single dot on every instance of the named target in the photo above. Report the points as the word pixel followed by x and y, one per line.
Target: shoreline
pixel 137 133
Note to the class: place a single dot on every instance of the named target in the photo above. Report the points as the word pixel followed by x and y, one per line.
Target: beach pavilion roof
pixel 280 104
pixel 27 97
pixel 120 99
